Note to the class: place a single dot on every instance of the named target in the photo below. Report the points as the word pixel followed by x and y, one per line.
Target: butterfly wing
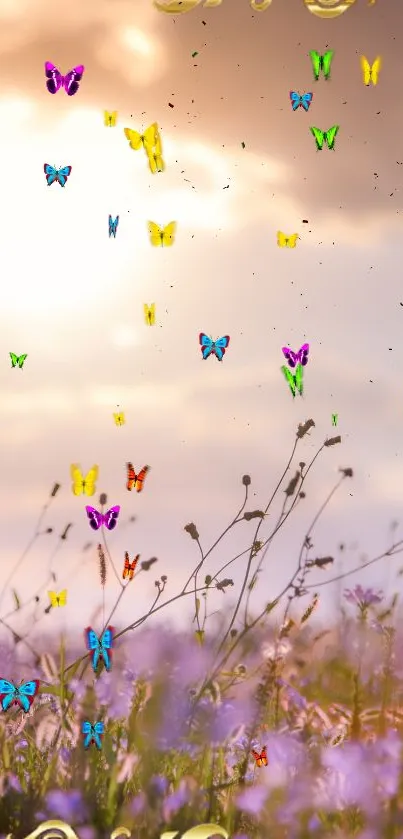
pixel 150 136
pixel 257 757
pixel 168 234
pixel 98 729
pixel 113 226
pixel 281 239
pixel 316 63
pixel 155 161
pixel 299 379
pixel 290 379
pixel 366 70
pixel 303 354
pixel 53 598
pixel 319 137
pixel 292 240
pixel 14 359
pixel 8 693
pixel 131 477
pixel 87 730
pixel 306 100
pixel 77 478
pixel 155 233
pixel 62 597
pixel 140 478
pixel 106 643
pixel 331 136
pixel 93 645
pixel 89 485
pixel 95 518
pixel 327 63
pixel 220 346
pixel 296 100
pixel 51 173
pixel 63 174
pixel 26 694
pixel 375 69
pixel 263 756
pixel 207 345
pixel 134 138
pixel 54 78
pixel 290 355
pixel 71 81
pixel 110 517
pixel 126 567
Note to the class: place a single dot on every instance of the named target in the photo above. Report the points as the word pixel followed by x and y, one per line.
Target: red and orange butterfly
pixel 129 567
pixel 261 759
pixel 134 480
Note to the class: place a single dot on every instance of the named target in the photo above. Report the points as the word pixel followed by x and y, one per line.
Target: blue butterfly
pixel 298 101
pixel 92 732
pixel 113 226
pixel 59 175
pixel 100 646
pixel 23 695
pixel 208 346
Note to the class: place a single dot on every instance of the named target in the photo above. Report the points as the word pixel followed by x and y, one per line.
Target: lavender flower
pixel 252 800
pixel 67 806
pixel 363 598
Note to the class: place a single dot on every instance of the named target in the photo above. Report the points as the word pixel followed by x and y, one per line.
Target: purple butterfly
pixel 70 82
pixel 109 518
pixel 294 358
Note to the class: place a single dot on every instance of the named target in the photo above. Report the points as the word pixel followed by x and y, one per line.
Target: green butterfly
pixel 334 419
pixel 294 380
pixel 17 359
pixel 328 137
pixel 321 62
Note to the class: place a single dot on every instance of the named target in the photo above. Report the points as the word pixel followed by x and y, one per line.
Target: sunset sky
pixel 72 298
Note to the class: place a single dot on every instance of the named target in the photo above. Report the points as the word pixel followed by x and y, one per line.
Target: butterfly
pixel 284 241
pixel 260 757
pixel 113 226
pixel 155 160
pixel 110 118
pixel 335 418
pixel 370 74
pixel 17 359
pixel 100 647
pixel 70 82
pixel 148 139
pixel 129 567
pixel 217 348
pixel 97 519
pixel 321 62
pixel 58 175
pixel 294 380
pixel 22 695
pixel 149 314
pixel 58 599
pixel 119 418
pixel 134 480
pixel 162 236
pixel 81 485
pixel 298 101
pixel 92 733
pixel 328 137
pixel 294 358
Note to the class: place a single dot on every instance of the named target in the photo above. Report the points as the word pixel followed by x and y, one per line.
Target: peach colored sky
pixel 73 299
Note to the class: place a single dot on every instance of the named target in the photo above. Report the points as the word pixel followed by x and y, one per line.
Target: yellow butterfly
pixel 149 138
pixel 155 160
pixel 110 118
pixel 370 74
pixel 58 599
pixel 162 236
pixel 119 418
pixel 284 241
pixel 149 314
pixel 83 485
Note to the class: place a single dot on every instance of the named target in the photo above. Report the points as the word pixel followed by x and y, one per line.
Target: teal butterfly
pixel 295 380
pixel 321 62
pixel 328 137
pixel 17 359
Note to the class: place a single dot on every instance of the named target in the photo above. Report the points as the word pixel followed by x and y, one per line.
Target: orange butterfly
pixel 261 759
pixel 129 567
pixel 134 480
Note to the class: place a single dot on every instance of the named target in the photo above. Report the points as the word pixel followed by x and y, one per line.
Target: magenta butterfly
pixel 109 518
pixel 70 82
pixel 294 358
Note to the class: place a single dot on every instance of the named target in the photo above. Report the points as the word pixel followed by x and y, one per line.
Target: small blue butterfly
pixel 298 101
pixel 113 226
pixel 23 695
pixel 208 346
pixel 100 646
pixel 92 732
pixel 59 175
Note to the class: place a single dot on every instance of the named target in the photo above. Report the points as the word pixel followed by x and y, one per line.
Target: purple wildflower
pixel 252 799
pixel 138 804
pixel 363 598
pixel 68 806
pixel 175 801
